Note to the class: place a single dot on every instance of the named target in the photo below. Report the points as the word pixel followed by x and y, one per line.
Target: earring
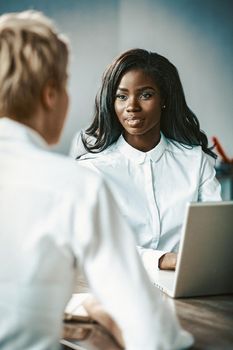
pixel 164 106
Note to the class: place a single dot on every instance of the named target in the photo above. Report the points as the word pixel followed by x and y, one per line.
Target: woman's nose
pixel 133 105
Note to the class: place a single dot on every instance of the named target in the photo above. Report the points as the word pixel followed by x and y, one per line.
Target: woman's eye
pixel 121 97
pixel 146 95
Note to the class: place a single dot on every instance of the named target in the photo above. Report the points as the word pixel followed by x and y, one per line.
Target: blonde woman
pixel 54 215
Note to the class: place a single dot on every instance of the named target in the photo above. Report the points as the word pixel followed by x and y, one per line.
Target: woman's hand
pixel 168 261
pixel 97 313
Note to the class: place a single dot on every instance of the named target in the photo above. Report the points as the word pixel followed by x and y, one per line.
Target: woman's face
pixel 138 108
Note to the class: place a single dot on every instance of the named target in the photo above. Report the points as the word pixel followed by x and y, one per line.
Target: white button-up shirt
pixel 54 216
pixel 152 189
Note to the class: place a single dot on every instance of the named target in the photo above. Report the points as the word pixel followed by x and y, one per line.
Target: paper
pixel 74 309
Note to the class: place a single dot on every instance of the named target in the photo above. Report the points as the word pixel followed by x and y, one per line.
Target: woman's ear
pixel 49 95
pixel 163 103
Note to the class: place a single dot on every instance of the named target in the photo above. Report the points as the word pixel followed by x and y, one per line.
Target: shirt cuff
pixel 150 258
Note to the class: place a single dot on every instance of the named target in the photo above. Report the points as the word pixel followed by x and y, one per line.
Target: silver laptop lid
pixel 205 260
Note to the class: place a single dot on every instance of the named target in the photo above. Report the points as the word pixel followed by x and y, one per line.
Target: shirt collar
pixel 11 129
pixel 139 156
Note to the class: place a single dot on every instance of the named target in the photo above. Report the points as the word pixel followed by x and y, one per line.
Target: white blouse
pixel 55 216
pixel 152 189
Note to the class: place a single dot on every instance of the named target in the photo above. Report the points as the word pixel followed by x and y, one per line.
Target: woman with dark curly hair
pixel 148 143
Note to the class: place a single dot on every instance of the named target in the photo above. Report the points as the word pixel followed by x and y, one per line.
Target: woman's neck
pixel 142 143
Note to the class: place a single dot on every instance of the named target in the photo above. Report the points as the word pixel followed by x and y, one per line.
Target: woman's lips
pixel 134 122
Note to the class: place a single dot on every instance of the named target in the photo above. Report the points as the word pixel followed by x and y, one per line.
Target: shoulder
pixel 77 148
pixel 64 174
pixel 193 155
pixel 179 149
pixel 103 156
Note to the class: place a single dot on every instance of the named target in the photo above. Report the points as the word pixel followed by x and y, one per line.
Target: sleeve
pixel 209 187
pixel 106 250
pixel 150 257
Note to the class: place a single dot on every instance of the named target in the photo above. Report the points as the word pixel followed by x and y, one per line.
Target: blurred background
pixel 195 35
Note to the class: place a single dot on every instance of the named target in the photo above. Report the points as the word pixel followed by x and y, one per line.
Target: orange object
pixel 221 151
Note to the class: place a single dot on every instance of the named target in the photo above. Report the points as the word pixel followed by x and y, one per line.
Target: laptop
pixel 205 258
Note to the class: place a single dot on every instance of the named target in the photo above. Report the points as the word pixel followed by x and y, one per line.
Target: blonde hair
pixel 31 53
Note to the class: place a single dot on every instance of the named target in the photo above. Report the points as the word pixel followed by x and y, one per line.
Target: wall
pixel 92 29
pixel 195 35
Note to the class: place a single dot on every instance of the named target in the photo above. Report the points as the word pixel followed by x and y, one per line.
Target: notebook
pixel 205 258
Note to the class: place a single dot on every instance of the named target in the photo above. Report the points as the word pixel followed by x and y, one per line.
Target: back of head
pixel 31 53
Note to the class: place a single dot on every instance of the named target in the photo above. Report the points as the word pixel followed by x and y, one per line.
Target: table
pixel 91 337
pixel 209 319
